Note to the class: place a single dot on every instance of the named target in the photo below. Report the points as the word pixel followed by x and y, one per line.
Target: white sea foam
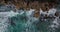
pixel 4 20
pixel 51 11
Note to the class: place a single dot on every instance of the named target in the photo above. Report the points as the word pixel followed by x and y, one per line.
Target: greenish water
pixel 20 25
pixel 24 23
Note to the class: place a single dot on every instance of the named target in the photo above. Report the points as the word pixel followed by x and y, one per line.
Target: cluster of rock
pixel 45 5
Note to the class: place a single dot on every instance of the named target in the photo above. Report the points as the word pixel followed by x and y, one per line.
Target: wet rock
pixel 57 14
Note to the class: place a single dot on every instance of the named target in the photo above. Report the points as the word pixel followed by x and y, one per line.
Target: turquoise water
pixel 21 22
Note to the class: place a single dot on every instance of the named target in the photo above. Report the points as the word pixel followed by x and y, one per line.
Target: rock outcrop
pixel 45 5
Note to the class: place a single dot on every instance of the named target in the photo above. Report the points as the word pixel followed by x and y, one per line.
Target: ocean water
pixel 23 21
